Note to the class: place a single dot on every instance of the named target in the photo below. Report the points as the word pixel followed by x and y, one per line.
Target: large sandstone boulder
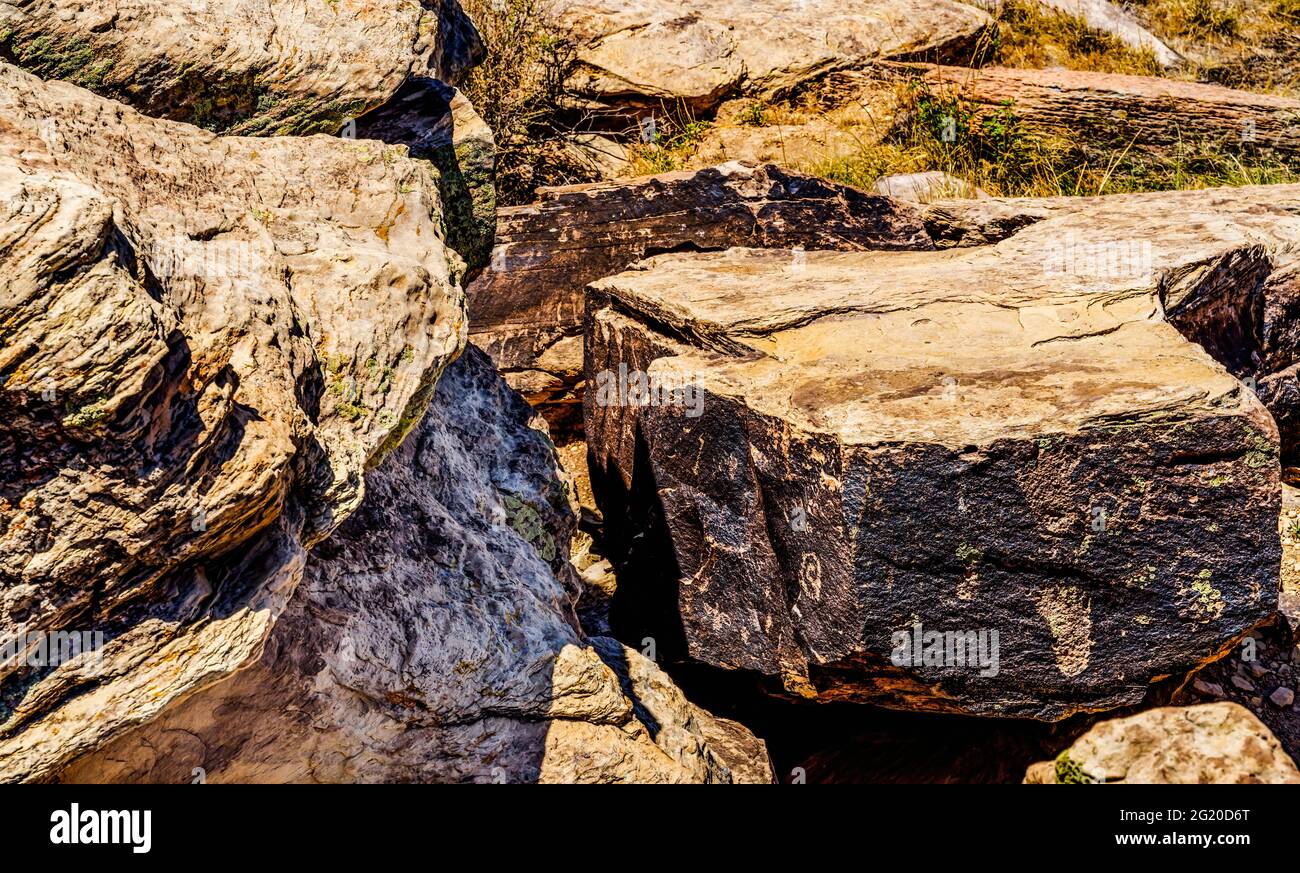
pixel 204 342
pixel 648 52
pixel 241 66
pixel 526 309
pixel 866 465
pixel 433 640
pixel 1213 743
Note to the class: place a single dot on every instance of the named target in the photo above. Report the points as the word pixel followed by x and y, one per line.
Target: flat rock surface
pixel 646 51
pixel 1015 438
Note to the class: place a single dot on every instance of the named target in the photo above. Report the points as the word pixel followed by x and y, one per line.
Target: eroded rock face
pixel 436 122
pixel 433 639
pixel 205 341
pixel 1213 743
pixel 526 309
pixel 643 52
pixel 241 66
pixel 867 449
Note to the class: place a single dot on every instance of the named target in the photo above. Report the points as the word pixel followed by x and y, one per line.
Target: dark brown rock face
pixel 526 309
pixel 432 639
pixel 994 480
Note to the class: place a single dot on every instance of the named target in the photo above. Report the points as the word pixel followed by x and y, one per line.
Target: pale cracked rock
pixel 1015 439
pixel 1207 744
pixel 433 640
pixel 241 66
pixel 699 51
pixel 204 342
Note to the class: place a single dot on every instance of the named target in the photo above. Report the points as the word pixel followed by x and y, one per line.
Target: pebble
pixel 1257 669
pixel 1209 689
pixel 1243 683
pixel 1282 697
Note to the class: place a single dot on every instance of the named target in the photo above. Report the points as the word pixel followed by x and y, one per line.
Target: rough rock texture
pixel 241 66
pixel 204 342
pixel 433 639
pixel 1141 112
pixel 1262 345
pixel 643 52
pixel 1012 438
pixel 526 310
pixel 1213 743
pixel 436 122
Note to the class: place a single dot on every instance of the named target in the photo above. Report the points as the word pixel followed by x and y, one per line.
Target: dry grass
pixel 995 151
pixel 1030 36
pixel 519 91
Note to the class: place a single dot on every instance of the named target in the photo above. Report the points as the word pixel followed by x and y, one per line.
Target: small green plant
pixel 674 137
pixel 1069 772
pixel 754 115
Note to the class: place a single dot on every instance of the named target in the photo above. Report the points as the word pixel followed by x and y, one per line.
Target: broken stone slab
pixel 1141 112
pixel 526 308
pixel 1208 744
pixel 648 52
pixel 432 640
pixel 204 343
pixel 853 455
pixel 242 66
pixel 1265 342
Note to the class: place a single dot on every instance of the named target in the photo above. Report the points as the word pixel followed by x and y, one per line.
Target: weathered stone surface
pixel 1140 112
pixel 1213 743
pixel 204 342
pixel 433 639
pixel 526 310
pixel 1011 438
pixel 1261 347
pixel 436 122
pixel 241 66
pixel 643 52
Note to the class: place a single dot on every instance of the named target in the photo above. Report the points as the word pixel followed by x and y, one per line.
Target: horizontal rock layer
pixel 649 52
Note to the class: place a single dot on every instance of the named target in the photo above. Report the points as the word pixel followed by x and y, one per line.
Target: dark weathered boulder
pixel 1017 439
pixel 526 309
pixel 432 640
